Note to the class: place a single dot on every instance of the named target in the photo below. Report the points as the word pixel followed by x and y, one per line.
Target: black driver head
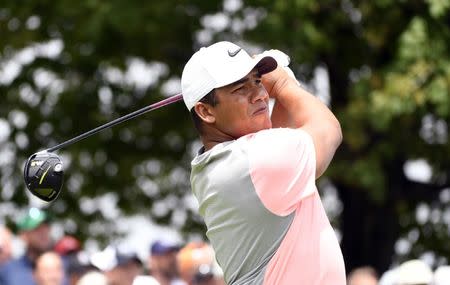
pixel 43 174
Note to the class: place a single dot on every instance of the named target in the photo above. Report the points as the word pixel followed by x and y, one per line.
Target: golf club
pixel 43 171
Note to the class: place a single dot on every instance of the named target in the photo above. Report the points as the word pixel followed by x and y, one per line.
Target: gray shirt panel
pixel 244 234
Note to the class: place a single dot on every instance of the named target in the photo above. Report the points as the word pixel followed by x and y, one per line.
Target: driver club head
pixel 43 174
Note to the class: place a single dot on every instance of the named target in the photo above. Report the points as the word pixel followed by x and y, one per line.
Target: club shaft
pixel 170 100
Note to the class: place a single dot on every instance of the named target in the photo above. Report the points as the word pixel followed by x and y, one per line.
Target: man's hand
pixel 275 81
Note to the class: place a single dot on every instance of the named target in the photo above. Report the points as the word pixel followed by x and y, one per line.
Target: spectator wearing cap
pixel 5 245
pixel 120 268
pixel 93 278
pixel 74 260
pixel 388 277
pixel 127 268
pixel 49 269
pixel 414 272
pixel 163 262
pixel 197 265
pixel 145 280
pixel 34 230
pixel 67 245
pixel 441 275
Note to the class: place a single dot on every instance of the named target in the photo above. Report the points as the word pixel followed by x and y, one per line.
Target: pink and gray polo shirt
pixel 264 216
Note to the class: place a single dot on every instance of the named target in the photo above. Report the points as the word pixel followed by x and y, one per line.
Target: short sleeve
pixel 282 166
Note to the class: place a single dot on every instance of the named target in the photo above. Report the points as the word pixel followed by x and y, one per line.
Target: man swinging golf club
pixel 254 177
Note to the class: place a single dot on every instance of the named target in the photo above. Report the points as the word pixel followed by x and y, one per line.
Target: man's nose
pixel 259 93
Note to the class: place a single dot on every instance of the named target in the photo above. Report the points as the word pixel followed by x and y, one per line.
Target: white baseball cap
pixel 414 272
pixel 216 66
pixel 442 275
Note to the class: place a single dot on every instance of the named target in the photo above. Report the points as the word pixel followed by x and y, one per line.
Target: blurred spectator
pixel 76 262
pixel 388 277
pixel 414 272
pixel 77 266
pixel 93 278
pixel 34 229
pixel 365 275
pixel 49 269
pixel 163 263
pixel 145 280
pixel 197 265
pixel 67 245
pixel 5 244
pixel 125 271
pixel 119 268
pixel 441 275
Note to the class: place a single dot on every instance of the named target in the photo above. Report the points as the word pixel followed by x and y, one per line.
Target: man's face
pixel 38 239
pixel 165 264
pixel 49 270
pixel 124 274
pixel 243 107
pixel 5 245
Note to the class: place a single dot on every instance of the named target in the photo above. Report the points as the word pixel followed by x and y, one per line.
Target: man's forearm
pixel 296 108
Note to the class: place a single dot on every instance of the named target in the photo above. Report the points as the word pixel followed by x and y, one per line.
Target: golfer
pixel 254 177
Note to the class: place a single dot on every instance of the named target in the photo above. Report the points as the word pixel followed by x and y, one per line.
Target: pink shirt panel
pixel 284 180
pixel 284 174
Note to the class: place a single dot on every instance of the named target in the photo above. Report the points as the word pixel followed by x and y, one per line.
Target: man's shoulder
pixel 17 271
pixel 276 136
pixel 9 265
pixel 15 264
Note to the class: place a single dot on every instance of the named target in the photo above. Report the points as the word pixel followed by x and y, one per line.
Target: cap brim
pixel 124 260
pixel 165 250
pixel 33 223
pixel 266 64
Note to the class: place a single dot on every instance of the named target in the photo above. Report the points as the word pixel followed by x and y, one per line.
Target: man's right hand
pixel 275 81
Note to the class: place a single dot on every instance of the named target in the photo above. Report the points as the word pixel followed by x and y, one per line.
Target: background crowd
pixel 65 262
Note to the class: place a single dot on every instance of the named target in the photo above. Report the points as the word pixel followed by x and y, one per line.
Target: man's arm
pixel 296 108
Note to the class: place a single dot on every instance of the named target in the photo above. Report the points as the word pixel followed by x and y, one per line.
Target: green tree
pixel 74 63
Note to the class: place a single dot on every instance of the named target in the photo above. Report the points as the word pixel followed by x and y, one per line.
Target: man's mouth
pixel 260 110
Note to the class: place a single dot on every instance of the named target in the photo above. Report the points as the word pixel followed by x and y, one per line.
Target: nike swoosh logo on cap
pixel 234 53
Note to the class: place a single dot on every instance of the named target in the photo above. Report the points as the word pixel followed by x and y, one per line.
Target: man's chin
pixel 262 127
pixel 267 124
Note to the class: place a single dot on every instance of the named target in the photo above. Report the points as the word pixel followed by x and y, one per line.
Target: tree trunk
pixel 369 231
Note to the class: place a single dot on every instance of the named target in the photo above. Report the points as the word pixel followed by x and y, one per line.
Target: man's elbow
pixel 333 139
pixel 335 128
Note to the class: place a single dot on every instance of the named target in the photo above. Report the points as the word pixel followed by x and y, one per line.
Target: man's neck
pixel 213 137
pixel 33 253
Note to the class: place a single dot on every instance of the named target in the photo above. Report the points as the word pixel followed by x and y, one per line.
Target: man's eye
pixel 240 88
pixel 258 81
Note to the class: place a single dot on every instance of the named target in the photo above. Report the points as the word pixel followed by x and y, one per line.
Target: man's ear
pixel 205 112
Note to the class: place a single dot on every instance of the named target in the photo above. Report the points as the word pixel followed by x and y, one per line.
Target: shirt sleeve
pixel 282 166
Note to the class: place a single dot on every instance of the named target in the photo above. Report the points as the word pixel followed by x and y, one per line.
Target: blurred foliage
pixel 100 40
pixel 389 72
